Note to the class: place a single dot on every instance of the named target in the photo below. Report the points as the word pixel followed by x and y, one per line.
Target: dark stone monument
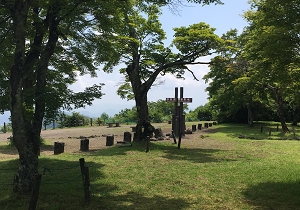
pixel 109 140
pixel 133 128
pixel 188 131
pixel 84 144
pixel 127 136
pixel 210 124
pixel 194 128
pixel 206 125
pixel 214 123
pixel 158 133
pixel 199 126
pixel 59 147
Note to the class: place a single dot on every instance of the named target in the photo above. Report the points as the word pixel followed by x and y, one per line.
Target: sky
pixel 222 17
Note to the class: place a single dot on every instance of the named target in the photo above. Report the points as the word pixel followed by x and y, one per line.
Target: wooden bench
pixel 110 124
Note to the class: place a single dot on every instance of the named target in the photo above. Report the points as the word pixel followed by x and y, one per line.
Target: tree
pixel 229 97
pixel 44 43
pixel 274 47
pixel 140 47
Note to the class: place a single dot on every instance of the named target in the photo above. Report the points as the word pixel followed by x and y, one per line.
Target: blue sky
pixel 222 17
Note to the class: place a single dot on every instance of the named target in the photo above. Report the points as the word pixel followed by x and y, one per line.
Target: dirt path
pixel 97 137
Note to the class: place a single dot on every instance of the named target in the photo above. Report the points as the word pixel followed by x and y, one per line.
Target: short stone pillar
pixel 59 147
pixel 214 123
pixel 134 137
pixel 84 144
pixel 133 129
pixel 199 126
pixel 169 121
pixel 158 133
pixel 127 136
pixel 210 124
pixel 206 125
pixel 109 140
pixel 194 128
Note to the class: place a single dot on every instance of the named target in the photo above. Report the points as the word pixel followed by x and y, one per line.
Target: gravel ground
pixel 97 137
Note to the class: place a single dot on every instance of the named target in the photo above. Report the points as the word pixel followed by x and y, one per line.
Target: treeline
pixel 256 74
pixel 159 111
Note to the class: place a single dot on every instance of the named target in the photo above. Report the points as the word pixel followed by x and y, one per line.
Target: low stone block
pixel 59 147
pixel 84 144
pixel 109 140
pixel 127 136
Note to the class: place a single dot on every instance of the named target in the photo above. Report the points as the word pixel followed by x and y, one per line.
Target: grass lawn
pixel 221 171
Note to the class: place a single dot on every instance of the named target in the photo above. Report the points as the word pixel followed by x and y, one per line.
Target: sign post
pixel 178 119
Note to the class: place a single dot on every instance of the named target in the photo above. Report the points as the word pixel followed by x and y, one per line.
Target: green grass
pixel 221 172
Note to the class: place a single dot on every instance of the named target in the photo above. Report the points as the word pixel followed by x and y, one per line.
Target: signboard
pixel 171 100
pixel 184 100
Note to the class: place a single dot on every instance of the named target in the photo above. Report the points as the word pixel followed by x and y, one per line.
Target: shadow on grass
pixel 61 182
pixel 274 195
pixel 62 188
pixel 234 130
pixel 12 150
pixel 169 150
pixel 133 201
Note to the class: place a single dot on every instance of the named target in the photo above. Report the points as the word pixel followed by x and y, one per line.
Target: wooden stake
pixel 85 180
pixel 148 144
pixel 86 184
pixel 179 141
pixel 174 137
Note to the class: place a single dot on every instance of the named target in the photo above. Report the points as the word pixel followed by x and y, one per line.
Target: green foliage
pixel 104 116
pixel 128 114
pixel 8 128
pixel 201 112
pixel 74 120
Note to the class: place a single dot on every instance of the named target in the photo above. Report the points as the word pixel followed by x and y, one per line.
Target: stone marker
pixel 109 140
pixel 206 125
pixel 84 144
pixel 199 126
pixel 210 124
pixel 59 147
pixel 158 133
pixel 194 128
pixel 127 136
pixel 214 123
pixel 188 131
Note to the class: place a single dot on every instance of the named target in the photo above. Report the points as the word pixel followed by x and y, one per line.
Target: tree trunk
pixel 250 113
pixel 295 115
pixel 27 125
pixel 27 150
pixel 143 115
pixel 280 111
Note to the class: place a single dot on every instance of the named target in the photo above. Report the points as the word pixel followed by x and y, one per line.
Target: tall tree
pixel 140 47
pixel 44 43
pixel 274 47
